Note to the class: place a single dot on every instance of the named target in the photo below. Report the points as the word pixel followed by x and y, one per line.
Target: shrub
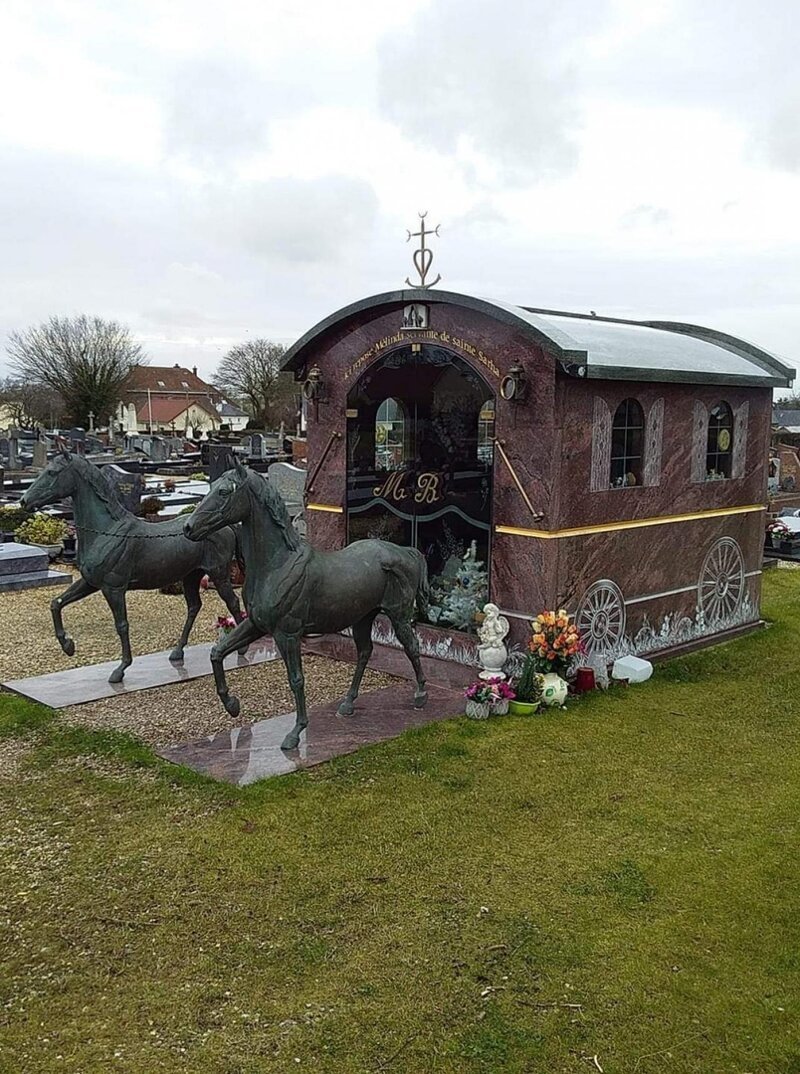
pixel 151 505
pixel 42 529
pixel 188 509
pixel 169 484
pixel 199 476
pixel 12 517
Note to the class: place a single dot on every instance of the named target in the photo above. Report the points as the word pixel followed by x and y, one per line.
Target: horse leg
pixel 79 589
pixel 407 637
pixel 243 634
pixel 116 602
pixel 228 594
pixel 289 648
pixel 362 636
pixel 191 593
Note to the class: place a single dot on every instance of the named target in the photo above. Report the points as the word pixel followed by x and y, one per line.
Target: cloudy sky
pixel 208 172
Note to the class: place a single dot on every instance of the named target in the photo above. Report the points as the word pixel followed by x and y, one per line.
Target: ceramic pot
pixel 52 550
pixel 500 708
pixel 477 710
pixel 522 708
pixel 554 689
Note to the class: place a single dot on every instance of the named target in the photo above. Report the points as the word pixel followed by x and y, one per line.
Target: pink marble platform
pixel 243 755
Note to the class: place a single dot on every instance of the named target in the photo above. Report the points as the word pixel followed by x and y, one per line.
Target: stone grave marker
pixel 290 482
pixel 220 459
pixel 26 566
pixel 40 454
pixel 129 487
pixel 257 446
pixel 159 452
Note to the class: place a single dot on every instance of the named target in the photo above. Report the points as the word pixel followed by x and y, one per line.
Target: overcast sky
pixel 208 172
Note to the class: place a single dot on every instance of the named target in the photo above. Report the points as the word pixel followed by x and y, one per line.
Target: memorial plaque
pixel 220 459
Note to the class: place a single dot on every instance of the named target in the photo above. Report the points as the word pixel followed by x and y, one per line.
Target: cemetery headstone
pixel 129 487
pixel 26 566
pixel 77 438
pixel 4 447
pixel 220 459
pixel 159 452
pixel 257 446
pixel 13 455
pixel 40 454
pixel 290 482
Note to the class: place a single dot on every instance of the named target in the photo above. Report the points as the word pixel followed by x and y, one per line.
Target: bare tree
pixel 84 359
pixel 250 374
pixel 28 403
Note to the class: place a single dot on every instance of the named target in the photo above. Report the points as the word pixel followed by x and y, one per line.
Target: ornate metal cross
pixel 423 257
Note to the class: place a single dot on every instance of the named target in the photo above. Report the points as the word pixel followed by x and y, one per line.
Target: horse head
pixel 54 483
pixel 227 503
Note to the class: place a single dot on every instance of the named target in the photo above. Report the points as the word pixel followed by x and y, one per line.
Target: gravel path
pixel 171 714
pixel 28 644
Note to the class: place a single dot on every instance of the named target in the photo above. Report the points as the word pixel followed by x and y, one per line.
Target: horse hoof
pixel 68 645
pixel 345 708
pixel 232 706
pixel 420 700
pixel 291 741
pixel 117 675
pixel 176 656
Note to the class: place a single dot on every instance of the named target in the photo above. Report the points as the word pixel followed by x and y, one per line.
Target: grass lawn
pixel 617 881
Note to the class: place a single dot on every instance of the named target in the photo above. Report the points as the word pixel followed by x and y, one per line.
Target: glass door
pixel 420 457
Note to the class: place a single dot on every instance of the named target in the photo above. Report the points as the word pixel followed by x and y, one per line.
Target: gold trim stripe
pixel 630 524
pixel 325 507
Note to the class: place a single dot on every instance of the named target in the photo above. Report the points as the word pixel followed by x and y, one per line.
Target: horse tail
pixel 423 588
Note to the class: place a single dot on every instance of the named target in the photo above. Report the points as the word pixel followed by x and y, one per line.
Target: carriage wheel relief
pixel 720 588
pixel 601 617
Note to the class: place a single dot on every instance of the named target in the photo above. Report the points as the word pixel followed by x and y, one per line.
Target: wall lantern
pixel 514 384
pixel 312 386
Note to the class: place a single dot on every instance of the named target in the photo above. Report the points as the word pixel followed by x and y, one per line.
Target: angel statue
pixel 492 651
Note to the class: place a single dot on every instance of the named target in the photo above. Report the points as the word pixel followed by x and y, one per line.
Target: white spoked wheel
pixel 720 589
pixel 601 617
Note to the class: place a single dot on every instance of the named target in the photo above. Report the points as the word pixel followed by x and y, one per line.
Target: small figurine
pixel 492 651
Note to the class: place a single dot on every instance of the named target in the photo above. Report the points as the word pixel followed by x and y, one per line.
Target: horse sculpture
pixel 118 551
pixel 291 589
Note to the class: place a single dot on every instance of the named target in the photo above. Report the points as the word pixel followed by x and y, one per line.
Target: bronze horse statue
pixel 291 589
pixel 118 551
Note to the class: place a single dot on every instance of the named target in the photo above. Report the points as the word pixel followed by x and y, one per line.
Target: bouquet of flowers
pixel 487 696
pixel 554 641
pixel 779 530
pixel 226 623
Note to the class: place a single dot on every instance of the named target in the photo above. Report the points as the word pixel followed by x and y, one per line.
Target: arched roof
pixel 597 347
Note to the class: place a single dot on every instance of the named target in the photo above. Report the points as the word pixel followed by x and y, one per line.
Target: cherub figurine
pixel 492 651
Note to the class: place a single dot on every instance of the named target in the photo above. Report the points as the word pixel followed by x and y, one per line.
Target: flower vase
pixel 500 708
pixel 554 689
pixel 477 710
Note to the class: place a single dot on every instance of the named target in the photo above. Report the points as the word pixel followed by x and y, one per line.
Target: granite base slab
pixel 76 686
pixel 10 583
pixel 243 755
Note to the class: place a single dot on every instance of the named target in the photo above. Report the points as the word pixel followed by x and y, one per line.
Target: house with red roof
pixel 168 399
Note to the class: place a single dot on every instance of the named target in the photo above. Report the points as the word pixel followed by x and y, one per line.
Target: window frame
pixel 633 435
pixel 715 454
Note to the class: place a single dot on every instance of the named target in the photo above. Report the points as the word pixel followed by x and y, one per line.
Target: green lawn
pixel 620 880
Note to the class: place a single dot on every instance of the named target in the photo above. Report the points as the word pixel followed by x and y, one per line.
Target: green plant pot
pixel 522 708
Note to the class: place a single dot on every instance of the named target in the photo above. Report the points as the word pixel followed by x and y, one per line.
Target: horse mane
pixel 101 488
pixel 272 501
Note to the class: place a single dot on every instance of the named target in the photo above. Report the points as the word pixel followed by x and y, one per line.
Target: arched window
pixel 390 435
pixel 486 432
pixel 627 445
pixel 719 451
